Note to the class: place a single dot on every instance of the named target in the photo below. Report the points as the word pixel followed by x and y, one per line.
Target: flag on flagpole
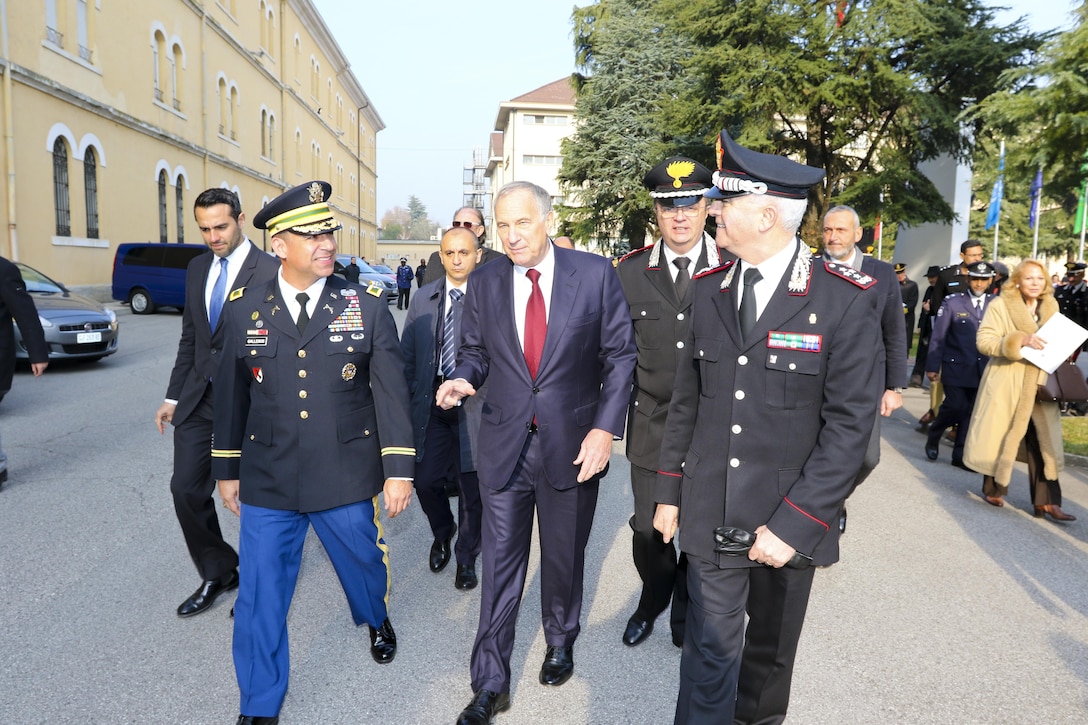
pixel 1036 192
pixel 994 211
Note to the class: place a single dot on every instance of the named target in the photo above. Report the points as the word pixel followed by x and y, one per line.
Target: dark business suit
pixel 199 354
pixel 761 431
pixel 311 424
pixel 891 359
pixel 442 437
pixel 661 320
pixel 16 302
pixel 953 353
pixel 583 382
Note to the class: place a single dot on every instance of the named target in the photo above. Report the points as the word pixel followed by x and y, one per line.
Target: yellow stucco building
pixel 115 115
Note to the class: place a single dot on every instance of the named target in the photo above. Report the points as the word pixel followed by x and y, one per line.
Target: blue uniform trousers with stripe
pixel 270 553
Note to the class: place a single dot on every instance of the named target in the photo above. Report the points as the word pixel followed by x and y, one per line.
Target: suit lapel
pixel 564 292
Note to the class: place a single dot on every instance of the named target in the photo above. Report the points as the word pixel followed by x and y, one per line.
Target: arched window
pixel 234 112
pixel 264 133
pixel 158 48
pixel 271 137
pixel 179 201
pixel 162 207
pixel 90 190
pixel 175 75
pixel 60 188
pixel 224 104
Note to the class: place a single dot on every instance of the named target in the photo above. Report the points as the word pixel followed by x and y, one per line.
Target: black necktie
pixel 303 315
pixel 748 301
pixel 683 279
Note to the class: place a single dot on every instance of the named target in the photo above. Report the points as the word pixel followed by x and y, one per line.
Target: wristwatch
pixel 896 390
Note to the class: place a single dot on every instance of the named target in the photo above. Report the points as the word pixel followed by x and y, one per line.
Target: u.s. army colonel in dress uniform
pixel 311 424
pixel 657 283
pixel 777 393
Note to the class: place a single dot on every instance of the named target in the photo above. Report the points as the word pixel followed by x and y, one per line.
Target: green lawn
pixel 1075 435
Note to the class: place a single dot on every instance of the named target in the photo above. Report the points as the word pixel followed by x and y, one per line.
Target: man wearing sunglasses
pixel 472 219
pixel 657 283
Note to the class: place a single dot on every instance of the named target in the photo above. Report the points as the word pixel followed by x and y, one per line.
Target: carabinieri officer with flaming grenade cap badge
pixel 311 424
pixel 765 433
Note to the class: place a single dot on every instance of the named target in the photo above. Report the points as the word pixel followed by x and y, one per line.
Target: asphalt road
pixel 943 609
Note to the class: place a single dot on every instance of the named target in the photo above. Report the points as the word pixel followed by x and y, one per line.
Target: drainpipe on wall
pixel 9 137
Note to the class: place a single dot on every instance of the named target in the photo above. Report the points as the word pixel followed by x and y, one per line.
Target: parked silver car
pixel 76 327
pixel 367 275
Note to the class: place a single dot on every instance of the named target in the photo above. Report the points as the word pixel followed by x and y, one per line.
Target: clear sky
pixel 437 70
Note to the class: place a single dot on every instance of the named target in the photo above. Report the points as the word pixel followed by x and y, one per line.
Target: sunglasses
pixel 467 225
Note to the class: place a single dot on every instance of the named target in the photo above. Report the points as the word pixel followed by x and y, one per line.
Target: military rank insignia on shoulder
pixel 850 274
pixel 237 293
pixel 635 253
pixel 374 289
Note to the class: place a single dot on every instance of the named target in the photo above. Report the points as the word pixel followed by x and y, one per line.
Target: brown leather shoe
pixel 1055 512
pixel 924 421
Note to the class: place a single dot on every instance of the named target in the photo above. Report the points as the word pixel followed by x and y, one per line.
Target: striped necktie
pixel 449 341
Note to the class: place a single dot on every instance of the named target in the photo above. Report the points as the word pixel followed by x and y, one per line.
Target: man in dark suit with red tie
pixel 549 331
pixel 234 262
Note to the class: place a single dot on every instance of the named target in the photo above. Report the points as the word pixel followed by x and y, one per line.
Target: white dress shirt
pixel 523 287
pixel 772 270
pixel 235 260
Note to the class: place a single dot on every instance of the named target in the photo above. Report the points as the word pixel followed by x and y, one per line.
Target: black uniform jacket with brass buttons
pixel 771 429
pixel 661 321
pixel 313 421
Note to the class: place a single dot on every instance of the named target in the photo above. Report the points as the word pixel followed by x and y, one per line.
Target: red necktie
pixel 536 324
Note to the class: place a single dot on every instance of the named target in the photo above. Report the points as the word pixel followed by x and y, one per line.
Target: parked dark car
pixel 76 327
pixel 367 275
pixel 150 275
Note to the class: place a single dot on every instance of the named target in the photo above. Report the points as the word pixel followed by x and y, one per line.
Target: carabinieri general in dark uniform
pixel 311 424
pixel 764 434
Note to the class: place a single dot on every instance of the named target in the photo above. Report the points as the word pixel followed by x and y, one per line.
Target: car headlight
pixel 110 314
pixel 46 323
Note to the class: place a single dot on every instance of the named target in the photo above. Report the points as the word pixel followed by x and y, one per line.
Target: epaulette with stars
pixel 845 271
pixel 635 253
pixel 715 270
pixel 236 294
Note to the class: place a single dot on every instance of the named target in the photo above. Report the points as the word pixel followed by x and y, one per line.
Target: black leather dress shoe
pixel 558 666
pixel 484 706
pixel 960 464
pixel 440 552
pixel 932 448
pixel 638 629
pixel 466 577
pixel 206 595
pixel 383 643
pixel 254 720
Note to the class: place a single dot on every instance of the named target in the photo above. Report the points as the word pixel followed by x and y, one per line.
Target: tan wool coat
pixel 1006 395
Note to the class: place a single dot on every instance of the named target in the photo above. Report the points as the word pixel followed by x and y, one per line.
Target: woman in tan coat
pixel 1008 423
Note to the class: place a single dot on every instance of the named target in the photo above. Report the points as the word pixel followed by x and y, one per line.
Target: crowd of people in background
pixel 294 395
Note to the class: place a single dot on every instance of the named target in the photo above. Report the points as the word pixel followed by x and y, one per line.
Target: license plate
pixel 85 337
